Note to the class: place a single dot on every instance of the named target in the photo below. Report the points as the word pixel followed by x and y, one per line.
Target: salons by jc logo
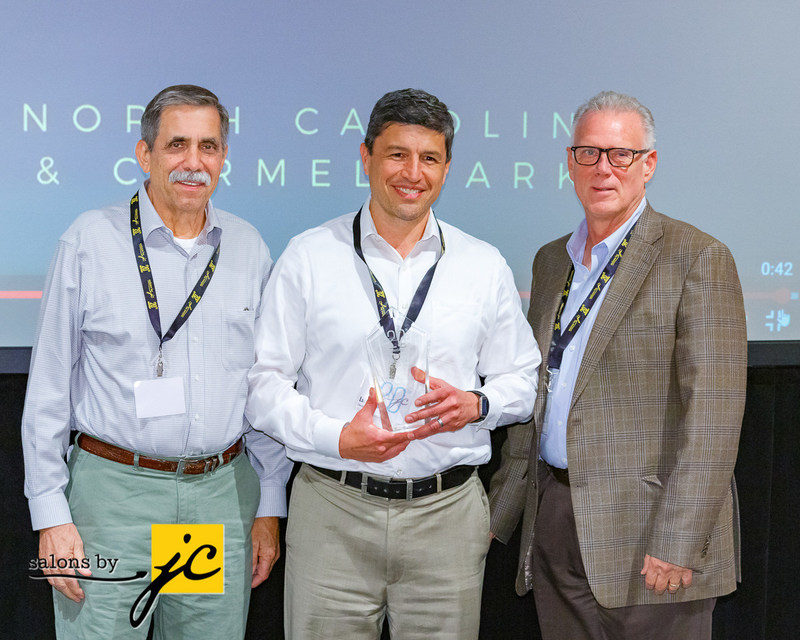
pixel 184 558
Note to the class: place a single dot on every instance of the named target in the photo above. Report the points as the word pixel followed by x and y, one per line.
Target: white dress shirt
pixel 312 372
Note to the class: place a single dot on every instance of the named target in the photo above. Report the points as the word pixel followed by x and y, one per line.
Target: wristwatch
pixel 483 405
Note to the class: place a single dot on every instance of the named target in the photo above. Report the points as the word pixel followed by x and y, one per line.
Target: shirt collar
pixel 368 230
pixel 577 241
pixel 152 221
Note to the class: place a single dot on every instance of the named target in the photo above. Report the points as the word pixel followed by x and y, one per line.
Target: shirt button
pixel 195 339
pixel 197 378
pixel 197 416
pixel 572 347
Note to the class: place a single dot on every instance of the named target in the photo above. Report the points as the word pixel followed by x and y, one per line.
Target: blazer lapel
pixel 636 264
pixel 553 277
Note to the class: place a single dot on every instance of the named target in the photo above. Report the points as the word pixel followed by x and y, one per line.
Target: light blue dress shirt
pixel 553 443
pixel 95 340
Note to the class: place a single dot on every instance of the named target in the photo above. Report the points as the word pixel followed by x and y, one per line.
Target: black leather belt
pixel 401 488
pixel 561 475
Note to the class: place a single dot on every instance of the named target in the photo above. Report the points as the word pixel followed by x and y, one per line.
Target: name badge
pixel 159 397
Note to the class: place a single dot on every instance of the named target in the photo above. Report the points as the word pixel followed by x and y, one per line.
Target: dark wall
pixel 762 608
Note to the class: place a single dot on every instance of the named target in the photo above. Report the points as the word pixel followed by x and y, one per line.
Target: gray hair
pixel 177 96
pixel 613 101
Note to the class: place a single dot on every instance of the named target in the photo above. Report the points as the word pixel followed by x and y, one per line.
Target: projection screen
pixel 300 79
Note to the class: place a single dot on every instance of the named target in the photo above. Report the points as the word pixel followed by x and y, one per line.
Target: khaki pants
pixel 354 560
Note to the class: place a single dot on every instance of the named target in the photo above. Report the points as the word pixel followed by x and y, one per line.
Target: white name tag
pixel 159 397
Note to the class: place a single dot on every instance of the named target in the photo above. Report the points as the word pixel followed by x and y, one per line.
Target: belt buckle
pixel 365 478
pixel 209 464
pixel 182 464
pixel 409 489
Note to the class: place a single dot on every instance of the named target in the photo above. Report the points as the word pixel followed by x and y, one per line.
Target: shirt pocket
pixel 238 348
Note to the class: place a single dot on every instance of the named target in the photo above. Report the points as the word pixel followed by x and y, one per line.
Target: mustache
pixel 190 176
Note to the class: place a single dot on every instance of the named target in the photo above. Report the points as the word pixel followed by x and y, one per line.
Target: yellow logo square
pixel 188 558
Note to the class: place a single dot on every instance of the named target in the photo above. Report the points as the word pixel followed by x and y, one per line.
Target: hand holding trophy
pixel 394 346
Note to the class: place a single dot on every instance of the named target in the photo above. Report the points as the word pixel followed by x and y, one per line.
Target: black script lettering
pixel 167 573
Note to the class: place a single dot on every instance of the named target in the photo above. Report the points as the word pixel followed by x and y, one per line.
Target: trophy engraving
pixel 394 346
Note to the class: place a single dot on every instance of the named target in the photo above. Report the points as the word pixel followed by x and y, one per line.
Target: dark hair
pixel 180 95
pixel 410 106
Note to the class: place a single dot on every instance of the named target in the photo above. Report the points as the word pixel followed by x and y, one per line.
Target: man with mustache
pixel 144 342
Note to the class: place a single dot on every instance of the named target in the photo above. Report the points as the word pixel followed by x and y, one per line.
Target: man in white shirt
pixel 390 524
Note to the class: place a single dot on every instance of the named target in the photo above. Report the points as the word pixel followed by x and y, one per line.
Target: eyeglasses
pixel 617 157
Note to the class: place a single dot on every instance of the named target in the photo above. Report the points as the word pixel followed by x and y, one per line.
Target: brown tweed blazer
pixel 653 430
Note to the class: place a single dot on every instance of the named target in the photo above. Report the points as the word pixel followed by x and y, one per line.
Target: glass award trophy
pixel 394 346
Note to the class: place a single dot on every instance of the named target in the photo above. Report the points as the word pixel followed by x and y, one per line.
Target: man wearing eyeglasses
pixel 625 472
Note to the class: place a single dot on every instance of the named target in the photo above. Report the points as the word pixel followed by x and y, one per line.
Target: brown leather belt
pixel 190 466
pixel 401 488
pixel 561 475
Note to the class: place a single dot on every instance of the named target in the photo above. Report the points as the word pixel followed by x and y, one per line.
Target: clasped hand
pixel 443 408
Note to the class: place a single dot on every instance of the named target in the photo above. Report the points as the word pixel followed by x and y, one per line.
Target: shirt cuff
pixel 326 437
pixel 272 502
pixel 49 511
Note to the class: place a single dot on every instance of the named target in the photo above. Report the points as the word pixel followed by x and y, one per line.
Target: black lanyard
pixel 380 295
pixel 561 340
pixel 149 287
